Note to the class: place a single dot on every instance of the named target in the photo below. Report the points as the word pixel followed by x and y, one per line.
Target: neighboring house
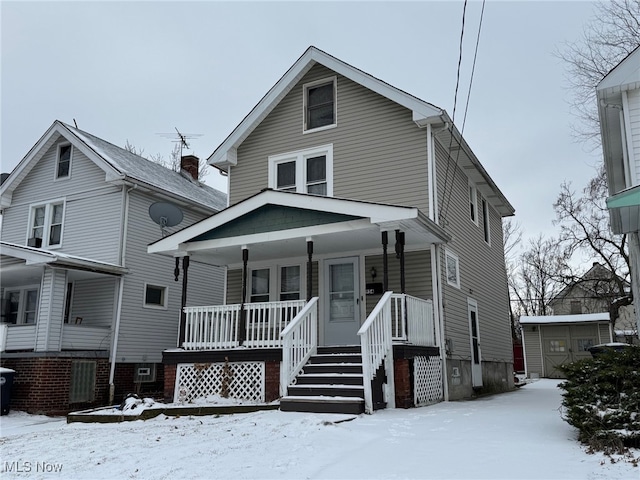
pixel 553 340
pixel 364 250
pixel 86 312
pixel 597 291
pixel 619 111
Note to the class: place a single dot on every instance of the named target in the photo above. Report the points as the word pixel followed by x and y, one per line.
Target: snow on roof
pixel 151 173
pixel 586 317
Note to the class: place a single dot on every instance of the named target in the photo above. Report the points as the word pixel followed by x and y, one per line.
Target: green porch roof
pixel 271 218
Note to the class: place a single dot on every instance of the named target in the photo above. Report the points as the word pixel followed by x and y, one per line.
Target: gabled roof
pixel 423 113
pixel 119 165
pixel 624 76
pixel 343 224
pixel 225 154
pixel 593 277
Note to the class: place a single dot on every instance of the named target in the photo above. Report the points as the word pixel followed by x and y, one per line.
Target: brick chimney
pixel 189 164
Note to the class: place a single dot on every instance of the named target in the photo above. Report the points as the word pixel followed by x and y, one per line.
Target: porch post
pixel 385 265
pixel 183 303
pixel 309 268
pixel 400 255
pixel 242 328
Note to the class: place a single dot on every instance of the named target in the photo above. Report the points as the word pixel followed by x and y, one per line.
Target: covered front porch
pixel 54 302
pixel 305 273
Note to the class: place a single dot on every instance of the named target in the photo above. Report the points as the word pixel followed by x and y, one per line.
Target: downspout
pixel 116 330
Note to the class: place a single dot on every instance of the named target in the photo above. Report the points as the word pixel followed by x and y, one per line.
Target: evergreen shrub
pixel 602 399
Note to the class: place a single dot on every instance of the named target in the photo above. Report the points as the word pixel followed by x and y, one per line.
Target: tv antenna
pixel 181 138
pixel 166 215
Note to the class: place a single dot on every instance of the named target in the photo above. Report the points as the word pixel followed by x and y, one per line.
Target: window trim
pixel 300 157
pixel 46 227
pixel 275 280
pixel 473 204
pixel 486 224
pixel 154 306
pixel 68 175
pixel 305 88
pixel 22 303
pixel 449 254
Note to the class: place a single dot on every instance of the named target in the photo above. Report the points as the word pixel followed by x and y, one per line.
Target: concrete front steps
pixel 331 382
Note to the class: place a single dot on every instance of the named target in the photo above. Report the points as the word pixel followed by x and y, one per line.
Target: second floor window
pixel 64 161
pixel 46 225
pixel 473 204
pixel 320 104
pixel 305 171
pixel 452 268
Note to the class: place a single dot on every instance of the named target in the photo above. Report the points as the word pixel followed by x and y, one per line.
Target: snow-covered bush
pixel 602 399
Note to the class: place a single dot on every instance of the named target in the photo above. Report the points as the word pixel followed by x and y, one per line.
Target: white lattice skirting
pixel 427 381
pixel 236 380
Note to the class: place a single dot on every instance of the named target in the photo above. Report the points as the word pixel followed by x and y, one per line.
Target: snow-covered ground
pixel 517 435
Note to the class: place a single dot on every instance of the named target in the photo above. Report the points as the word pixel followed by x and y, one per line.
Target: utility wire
pixel 464 119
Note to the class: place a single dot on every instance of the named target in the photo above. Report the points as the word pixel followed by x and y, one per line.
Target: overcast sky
pixel 130 71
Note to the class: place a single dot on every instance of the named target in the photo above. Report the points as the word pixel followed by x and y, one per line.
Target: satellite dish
pixel 165 214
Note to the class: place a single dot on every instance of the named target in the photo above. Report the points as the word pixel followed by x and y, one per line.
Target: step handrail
pixel 299 343
pixel 377 349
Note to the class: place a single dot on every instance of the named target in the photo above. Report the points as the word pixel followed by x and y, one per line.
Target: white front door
pixel 476 355
pixel 341 301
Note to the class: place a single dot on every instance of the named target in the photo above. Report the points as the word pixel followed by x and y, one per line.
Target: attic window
pixel 64 161
pixel 320 104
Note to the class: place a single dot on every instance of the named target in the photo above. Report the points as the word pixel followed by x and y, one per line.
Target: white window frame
pixel 275 280
pixel 46 227
pixel 473 203
pixel 305 89
pixel 165 299
pixel 449 255
pixel 486 224
pixel 60 147
pixel 22 302
pixel 300 158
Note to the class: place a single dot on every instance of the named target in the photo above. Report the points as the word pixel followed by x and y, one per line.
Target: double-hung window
pixel 45 225
pixel 319 104
pixel 304 171
pixel 63 165
pixel 286 279
pixel 485 221
pixel 473 204
pixel 452 268
pixel 20 305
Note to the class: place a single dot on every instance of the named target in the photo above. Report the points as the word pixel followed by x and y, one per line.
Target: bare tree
pixel 585 231
pixel 611 35
pixel 512 239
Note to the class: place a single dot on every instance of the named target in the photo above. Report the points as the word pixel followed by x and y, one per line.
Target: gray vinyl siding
pixel 604 333
pixel 478 262
pixel 375 145
pixel 92 213
pixel 146 332
pixel 50 311
pixel 94 302
pixel 417 275
pixel 634 119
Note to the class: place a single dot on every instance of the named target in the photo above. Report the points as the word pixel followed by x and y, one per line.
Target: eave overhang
pixel 346 225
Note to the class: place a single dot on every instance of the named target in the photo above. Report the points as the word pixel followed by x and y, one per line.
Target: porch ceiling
pixel 346 226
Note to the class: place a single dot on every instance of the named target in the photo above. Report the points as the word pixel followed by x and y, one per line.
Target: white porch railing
pixel 377 349
pixel 299 342
pixel 4 328
pixel 79 337
pixel 412 320
pixel 217 327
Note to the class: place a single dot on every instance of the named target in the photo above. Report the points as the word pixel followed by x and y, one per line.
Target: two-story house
pixel 364 253
pixel 86 312
pixel 618 96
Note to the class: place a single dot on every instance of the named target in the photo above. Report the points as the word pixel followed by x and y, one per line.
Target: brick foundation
pixel 271 381
pixel 41 384
pixel 402 372
pixel 169 382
